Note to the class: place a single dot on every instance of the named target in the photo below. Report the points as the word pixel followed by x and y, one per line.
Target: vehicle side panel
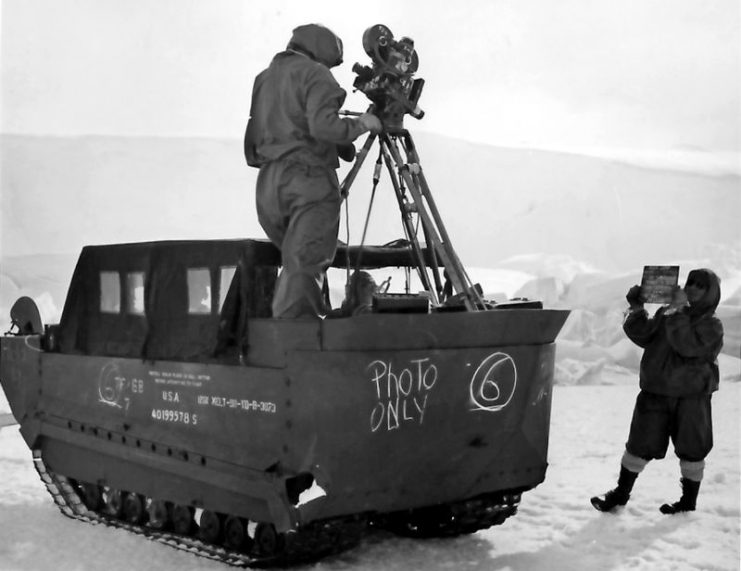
pixel 397 430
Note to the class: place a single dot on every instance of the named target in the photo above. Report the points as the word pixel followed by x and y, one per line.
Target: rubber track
pixel 310 543
pixel 451 520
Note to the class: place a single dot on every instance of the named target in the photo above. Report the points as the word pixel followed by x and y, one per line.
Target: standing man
pixel 678 375
pixel 295 136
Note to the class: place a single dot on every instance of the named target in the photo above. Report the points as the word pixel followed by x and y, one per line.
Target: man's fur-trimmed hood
pixel 709 302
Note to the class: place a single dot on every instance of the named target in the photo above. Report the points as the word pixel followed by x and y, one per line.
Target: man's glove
pixel 635 297
pixel 371 122
pixel 346 152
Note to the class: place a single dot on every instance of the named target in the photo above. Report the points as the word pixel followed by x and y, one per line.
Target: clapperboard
pixel 658 283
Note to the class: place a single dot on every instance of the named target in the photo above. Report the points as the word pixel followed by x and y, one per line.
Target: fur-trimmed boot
pixel 687 502
pixel 620 495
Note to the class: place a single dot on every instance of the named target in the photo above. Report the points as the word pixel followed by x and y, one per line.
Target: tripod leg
pixel 419 177
pixel 410 152
pixel 435 270
pixel 421 183
pixel 411 173
pixel 446 239
pixel 408 225
pixel 350 178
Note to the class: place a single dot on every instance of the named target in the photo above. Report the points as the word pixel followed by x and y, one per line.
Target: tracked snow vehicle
pixel 169 402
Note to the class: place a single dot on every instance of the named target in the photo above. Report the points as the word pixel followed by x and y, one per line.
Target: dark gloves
pixel 371 123
pixel 346 152
pixel 635 297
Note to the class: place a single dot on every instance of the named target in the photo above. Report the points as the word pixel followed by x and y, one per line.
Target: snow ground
pixel 556 527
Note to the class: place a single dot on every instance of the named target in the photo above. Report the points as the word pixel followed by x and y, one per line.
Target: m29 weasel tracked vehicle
pixel 169 402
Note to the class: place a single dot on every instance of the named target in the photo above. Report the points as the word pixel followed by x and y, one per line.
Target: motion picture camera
pixel 389 83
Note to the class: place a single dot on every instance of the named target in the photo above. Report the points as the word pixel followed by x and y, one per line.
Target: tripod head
pixel 389 82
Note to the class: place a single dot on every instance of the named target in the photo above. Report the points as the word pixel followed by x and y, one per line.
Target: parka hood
pixel 709 302
pixel 319 43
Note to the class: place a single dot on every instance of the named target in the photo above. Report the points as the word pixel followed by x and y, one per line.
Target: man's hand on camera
pixel 635 297
pixel 371 122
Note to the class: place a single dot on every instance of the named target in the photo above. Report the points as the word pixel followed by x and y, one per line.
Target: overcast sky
pixel 642 74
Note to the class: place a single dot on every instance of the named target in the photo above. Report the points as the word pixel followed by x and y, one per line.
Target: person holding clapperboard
pixel 678 375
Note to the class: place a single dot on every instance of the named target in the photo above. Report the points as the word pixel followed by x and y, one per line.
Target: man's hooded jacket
pixel 681 349
pixel 295 104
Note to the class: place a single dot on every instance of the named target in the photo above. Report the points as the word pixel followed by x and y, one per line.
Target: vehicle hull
pixel 385 412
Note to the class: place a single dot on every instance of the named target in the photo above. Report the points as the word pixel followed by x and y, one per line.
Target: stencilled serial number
pixel 243 404
pixel 168 415
pixel 261 406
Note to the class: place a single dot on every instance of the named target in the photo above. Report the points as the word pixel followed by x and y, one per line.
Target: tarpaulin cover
pixel 166 329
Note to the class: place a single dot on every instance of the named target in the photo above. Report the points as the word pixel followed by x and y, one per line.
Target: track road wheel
pixel 133 508
pixel 159 514
pixel 235 534
pixel 423 522
pixel 268 541
pixel 91 496
pixel 182 519
pixel 113 502
pixel 211 527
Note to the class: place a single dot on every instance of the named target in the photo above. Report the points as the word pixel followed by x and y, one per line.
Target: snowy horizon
pixel 704 162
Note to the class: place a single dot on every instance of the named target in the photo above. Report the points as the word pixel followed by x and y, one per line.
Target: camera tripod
pixel 406 173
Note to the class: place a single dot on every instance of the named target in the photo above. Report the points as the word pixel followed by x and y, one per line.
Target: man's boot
pixel 687 502
pixel 620 495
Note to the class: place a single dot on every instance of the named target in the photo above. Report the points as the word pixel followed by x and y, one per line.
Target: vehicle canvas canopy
pixel 180 300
